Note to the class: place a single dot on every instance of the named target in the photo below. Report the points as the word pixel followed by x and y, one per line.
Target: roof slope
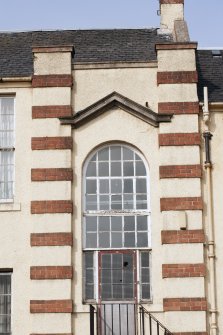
pixel 128 45
pixel 210 74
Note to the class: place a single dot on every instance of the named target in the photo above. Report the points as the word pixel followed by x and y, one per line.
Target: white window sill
pixel 10 207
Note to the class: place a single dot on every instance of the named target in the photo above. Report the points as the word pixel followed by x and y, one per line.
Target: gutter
pixel 15 79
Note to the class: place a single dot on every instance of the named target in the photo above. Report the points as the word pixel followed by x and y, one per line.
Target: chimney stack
pixel 172 20
pixel 171 11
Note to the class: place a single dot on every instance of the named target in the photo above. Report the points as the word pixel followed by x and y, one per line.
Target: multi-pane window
pixel 116 225
pixel 7 146
pixel 116 179
pixel 5 303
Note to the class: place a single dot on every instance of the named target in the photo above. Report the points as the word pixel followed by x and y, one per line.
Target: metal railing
pixel 149 325
pixel 124 319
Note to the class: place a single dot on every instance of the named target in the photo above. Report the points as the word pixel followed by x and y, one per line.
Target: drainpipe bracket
pixel 208 165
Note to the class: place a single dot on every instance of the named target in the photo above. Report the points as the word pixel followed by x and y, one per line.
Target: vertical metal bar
pixel 120 330
pixel 104 321
pixel 135 320
pixel 143 322
pixel 91 320
pixel 127 317
pixel 158 328
pixel 97 320
pixel 112 317
pixel 150 325
pixel 140 320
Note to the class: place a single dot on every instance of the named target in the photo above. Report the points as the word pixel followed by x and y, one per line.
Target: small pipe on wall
pixel 210 221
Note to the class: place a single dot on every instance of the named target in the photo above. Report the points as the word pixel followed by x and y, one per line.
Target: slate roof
pixel 128 45
pixel 110 45
pixel 210 74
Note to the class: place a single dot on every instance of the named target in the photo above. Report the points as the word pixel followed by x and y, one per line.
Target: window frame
pixel 112 213
pixel 129 212
pixel 7 272
pixel 10 149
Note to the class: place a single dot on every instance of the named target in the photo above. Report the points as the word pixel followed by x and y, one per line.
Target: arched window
pixel 117 232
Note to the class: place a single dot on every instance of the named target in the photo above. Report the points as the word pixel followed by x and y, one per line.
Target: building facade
pixel 110 181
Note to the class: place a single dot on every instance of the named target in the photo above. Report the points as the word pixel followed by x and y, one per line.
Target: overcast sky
pixel 204 17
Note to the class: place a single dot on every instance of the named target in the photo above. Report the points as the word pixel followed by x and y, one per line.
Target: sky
pixel 204 17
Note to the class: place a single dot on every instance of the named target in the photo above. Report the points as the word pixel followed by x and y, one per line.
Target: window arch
pixel 116 217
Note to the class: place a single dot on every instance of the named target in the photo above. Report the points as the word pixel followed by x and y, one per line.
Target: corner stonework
pixel 181 202
pixel 51 206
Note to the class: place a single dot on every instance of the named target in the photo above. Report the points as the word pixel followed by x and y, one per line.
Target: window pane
pixel 128 292
pixel 116 241
pixel 140 169
pixel 116 223
pixel 137 158
pixel 115 153
pixel 128 186
pixel 141 186
pixel 141 201
pixel 145 275
pixel 104 223
pixel 128 277
pixel 104 202
pixel 91 169
pixel 145 259
pixel 117 292
pixel 106 276
pixel 128 169
pixel 91 202
pixel 142 223
pixel 5 304
pixel 89 291
pixel 106 261
pixel 90 276
pixel 129 223
pixel 106 291
pixel 91 240
pixel 145 291
pixel 128 201
pixel 117 261
pixel 103 155
pixel 127 154
pixel 127 261
pixel 104 240
pixel 116 186
pixel 116 202
pixel 103 169
pixel 5 284
pixel 91 186
pixel 91 223
pixel 116 169
pixel 129 240
pixel 142 239
pixel 104 186
pixel 89 259
pixel 117 276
